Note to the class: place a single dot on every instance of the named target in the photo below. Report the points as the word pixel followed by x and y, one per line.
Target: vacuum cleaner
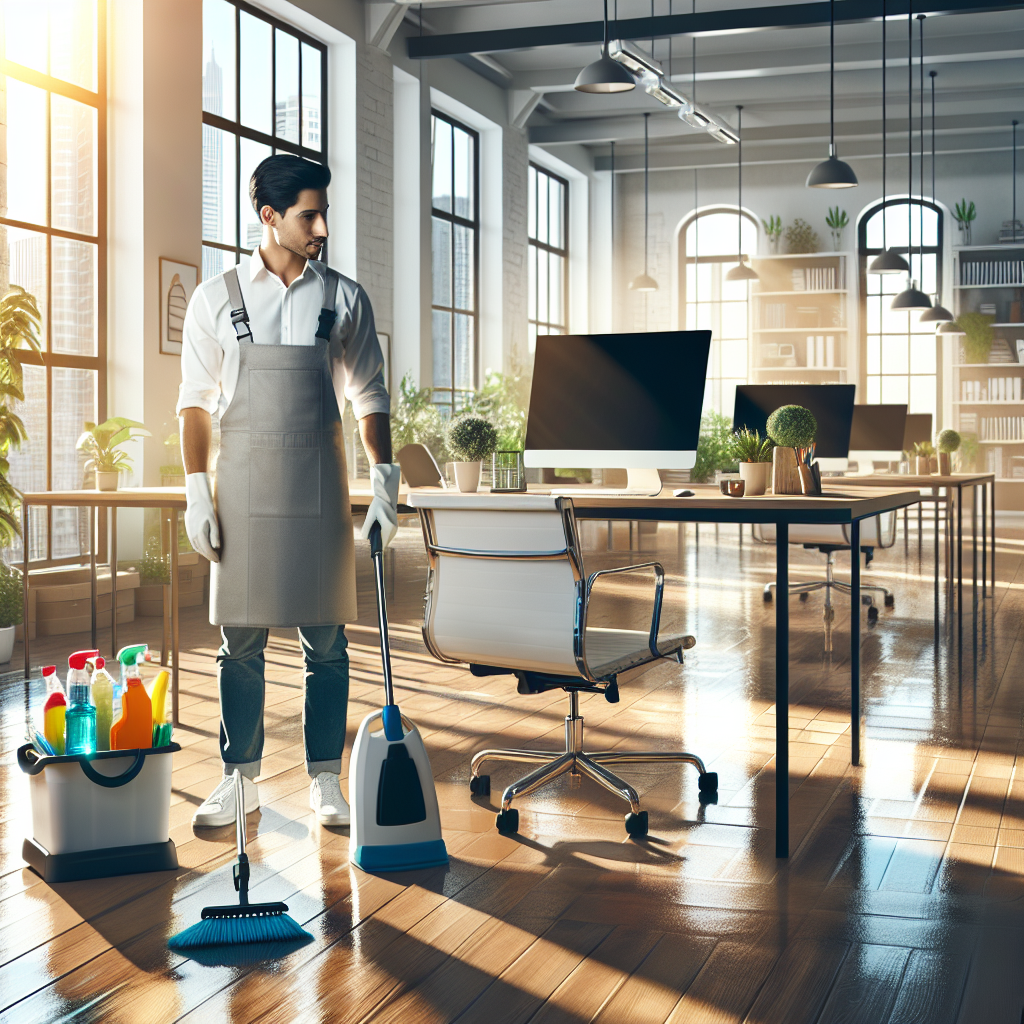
pixel 395 822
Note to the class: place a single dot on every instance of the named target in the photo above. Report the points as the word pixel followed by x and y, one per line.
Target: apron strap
pixel 239 314
pixel 328 314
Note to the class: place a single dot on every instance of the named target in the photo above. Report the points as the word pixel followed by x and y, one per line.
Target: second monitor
pixel 830 404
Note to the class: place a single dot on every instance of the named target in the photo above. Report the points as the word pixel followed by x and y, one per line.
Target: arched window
pixel 707 244
pixel 900 354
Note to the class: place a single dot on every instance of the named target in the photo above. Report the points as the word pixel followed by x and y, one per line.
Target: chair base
pixel 830 583
pixel 578 763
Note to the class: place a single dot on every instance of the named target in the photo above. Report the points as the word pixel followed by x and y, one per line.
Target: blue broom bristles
pixel 224 931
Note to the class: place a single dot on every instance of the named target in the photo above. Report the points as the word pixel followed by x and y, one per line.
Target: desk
pixel 850 505
pixel 172 499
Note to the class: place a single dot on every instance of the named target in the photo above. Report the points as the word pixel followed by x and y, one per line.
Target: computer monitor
pixel 918 429
pixel 831 405
pixel 628 401
pixel 877 432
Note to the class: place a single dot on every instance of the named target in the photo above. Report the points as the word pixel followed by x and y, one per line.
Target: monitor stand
pixel 644 483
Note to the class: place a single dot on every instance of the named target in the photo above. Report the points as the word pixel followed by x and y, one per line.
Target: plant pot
pixel 785 474
pixel 945 463
pixel 921 467
pixel 467 476
pixel 6 643
pixel 755 477
pixel 106 480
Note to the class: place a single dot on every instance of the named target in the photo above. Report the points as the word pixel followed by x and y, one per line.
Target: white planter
pixel 106 481
pixel 467 476
pixel 6 643
pixel 755 477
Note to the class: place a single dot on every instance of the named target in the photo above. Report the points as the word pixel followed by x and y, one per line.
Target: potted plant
pixel 470 440
pixel 924 453
pixel 11 610
pixel 801 237
pixel 102 443
pixel 978 336
pixel 714 448
pixel 965 213
pixel 754 454
pixel 948 442
pixel 773 229
pixel 837 221
pixel 793 429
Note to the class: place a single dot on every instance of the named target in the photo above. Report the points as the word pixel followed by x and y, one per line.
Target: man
pixel 275 346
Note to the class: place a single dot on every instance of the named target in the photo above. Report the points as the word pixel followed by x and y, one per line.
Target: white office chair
pixel 876 532
pixel 507 594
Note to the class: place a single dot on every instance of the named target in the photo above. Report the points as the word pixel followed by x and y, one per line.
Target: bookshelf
pixel 988 398
pixel 802 322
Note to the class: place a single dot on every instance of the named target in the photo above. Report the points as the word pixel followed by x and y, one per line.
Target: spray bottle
pixel 127 657
pixel 103 686
pixel 54 709
pixel 80 720
pixel 134 728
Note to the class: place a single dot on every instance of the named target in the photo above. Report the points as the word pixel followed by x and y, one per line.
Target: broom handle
pixel 377 554
pixel 239 814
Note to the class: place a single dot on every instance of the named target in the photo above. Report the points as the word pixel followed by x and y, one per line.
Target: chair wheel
pixel 636 824
pixel 866 599
pixel 804 596
pixel 507 822
pixel 872 614
pixel 480 785
pixel 890 601
pixel 768 597
pixel 708 782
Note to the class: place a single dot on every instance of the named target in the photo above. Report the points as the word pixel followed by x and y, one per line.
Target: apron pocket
pixel 284 482
pixel 284 577
pixel 301 412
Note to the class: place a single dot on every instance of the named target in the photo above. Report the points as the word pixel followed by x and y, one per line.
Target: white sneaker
pixel 325 798
pixel 219 807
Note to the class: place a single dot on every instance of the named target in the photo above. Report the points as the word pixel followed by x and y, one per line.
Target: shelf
pixel 987 366
pixel 1001 442
pixel 994 247
pixel 802 369
pixel 1002 402
pixel 969 287
pixel 798 330
pixel 808 291
pixel 1006 325
pixel 803 255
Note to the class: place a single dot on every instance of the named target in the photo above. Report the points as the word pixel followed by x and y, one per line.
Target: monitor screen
pixel 617 400
pixel 831 405
pixel 919 428
pixel 878 428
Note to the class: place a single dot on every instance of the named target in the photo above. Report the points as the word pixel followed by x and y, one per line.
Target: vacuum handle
pixel 377 554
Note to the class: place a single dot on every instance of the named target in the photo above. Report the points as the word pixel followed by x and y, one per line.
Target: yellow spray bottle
pixel 103 686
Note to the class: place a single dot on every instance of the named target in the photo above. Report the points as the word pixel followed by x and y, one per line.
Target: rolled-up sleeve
pixel 363 361
pixel 201 357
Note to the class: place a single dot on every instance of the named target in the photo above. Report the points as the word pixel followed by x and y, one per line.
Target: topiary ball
pixel 949 441
pixel 792 426
pixel 471 439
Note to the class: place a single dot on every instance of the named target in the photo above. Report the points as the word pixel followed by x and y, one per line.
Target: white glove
pixel 384 478
pixel 200 516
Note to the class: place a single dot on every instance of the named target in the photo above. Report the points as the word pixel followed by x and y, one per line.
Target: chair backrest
pixel 875 532
pixel 419 467
pixel 501 589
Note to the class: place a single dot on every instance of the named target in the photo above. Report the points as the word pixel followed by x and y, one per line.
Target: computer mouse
pixel 683 493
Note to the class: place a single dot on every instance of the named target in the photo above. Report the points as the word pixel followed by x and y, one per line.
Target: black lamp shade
pixel 911 299
pixel 603 76
pixel 889 262
pixel 936 315
pixel 832 173
pixel 951 327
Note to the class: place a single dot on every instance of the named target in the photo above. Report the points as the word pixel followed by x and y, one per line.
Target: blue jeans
pixel 240 680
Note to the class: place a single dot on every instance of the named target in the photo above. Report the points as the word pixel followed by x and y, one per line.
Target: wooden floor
pixel 901 902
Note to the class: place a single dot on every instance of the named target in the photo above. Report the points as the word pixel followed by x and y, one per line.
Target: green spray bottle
pixel 128 658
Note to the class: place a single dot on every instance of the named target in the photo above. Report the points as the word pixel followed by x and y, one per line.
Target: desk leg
pixel 174 616
pixel 25 624
pixel 959 555
pixel 782 690
pixel 984 539
pixel 113 580
pixel 919 529
pixel 92 570
pixel 935 491
pixel 992 484
pixel 855 725
pixel 974 548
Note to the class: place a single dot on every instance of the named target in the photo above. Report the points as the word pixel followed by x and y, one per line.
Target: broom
pixel 247 922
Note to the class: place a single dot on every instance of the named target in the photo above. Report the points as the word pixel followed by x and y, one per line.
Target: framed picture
pixel 177 283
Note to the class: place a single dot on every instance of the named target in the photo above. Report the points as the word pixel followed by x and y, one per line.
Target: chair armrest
pixel 659 586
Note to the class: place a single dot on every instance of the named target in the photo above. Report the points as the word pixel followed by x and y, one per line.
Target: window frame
pixel 472 224
pixel 241 131
pixel 49 359
pixel 865 255
pixel 535 244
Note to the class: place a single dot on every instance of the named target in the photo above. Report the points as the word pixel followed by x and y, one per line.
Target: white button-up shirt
pixel 279 316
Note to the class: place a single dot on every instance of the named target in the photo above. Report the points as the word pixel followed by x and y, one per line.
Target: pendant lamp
pixel 741 272
pixel 911 299
pixel 833 172
pixel 938 313
pixel 604 75
pixel 644 282
pixel 887 261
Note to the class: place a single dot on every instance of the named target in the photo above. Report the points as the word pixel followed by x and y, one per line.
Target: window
pixel 900 353
pixel 455 258
pixel 53 243
pixel 548 234
pixel 710 302
pixel 264 92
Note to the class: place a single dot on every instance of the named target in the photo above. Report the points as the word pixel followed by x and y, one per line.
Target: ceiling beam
pixel 748 19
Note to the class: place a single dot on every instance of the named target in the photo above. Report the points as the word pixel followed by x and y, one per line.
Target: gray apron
pixel 287 556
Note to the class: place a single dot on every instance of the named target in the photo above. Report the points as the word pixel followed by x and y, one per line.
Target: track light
pixel 634 59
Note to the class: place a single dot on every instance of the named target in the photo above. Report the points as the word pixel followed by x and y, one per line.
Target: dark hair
pixel 278 180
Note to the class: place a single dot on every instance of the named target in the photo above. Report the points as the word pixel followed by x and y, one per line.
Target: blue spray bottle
pixel 80 718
